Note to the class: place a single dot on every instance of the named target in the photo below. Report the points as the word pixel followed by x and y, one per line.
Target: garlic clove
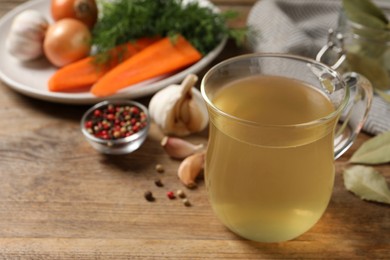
pixel 178 148
pixel 198 122
pixel 190 168
pixel 174 125
pixel 184 112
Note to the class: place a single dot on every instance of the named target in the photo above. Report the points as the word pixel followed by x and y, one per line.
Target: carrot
pixel 84 73
pixel 160 58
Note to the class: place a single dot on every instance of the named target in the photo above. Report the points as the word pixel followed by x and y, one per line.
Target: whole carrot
pixel 85 72
pixel 159 58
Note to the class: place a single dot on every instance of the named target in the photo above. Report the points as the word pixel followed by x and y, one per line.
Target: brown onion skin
pixel 67 41
pixel 85 11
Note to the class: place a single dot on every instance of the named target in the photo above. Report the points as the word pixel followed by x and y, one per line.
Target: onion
pixel 67 41
pixel 85 11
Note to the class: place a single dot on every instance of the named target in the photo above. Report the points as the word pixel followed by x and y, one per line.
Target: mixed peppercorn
pixel 170 194
pixel 115 121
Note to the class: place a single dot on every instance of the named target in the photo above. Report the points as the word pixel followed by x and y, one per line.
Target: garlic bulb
pixel 26 35
pixel 179 109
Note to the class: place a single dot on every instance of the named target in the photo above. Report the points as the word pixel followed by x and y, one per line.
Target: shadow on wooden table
pixel 349 227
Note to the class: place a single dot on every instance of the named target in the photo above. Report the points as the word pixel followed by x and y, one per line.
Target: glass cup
pixel 271 182
pixel 356 47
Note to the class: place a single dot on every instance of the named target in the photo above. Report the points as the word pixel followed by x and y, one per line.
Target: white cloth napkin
pixel 301 27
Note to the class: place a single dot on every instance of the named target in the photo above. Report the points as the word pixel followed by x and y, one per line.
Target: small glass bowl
pixel 111 130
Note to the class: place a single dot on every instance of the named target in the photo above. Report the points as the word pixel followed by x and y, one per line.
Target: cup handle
pixel 355 113
pixel 333 51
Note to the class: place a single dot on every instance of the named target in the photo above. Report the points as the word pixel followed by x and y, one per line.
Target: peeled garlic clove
pixel 178 148
pixel 179 109
pixel 190 168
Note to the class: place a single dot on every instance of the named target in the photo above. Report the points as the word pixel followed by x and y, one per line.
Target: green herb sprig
pixel 127 20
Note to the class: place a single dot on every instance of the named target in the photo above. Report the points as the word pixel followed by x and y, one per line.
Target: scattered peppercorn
pixel 180 194
pixel 115 121
pixel 158 183
pixel 171 195
pixel 186 202
pixel 160 168
pixel 149 196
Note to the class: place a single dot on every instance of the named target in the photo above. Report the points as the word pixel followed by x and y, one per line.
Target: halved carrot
pixel 84 73
pixel 160 58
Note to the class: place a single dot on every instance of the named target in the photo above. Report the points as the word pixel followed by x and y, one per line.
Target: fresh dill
pixel 127 20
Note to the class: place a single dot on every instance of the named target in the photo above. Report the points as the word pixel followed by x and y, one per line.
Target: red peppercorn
pixel 97 113
pixel 88 124
pixel 170 195
pixel 110 117
pixel 134 110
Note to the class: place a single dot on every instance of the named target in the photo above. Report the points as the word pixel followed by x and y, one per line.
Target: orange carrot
pixel 84 73
pixel 160 58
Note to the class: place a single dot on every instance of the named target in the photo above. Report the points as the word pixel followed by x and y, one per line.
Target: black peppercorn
pixel 158 183
pixel 149 196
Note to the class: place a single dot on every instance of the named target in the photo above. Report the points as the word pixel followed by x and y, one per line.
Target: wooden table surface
pixel 61 199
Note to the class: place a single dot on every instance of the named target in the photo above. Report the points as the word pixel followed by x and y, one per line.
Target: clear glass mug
pixel 272 182
pixel 356 47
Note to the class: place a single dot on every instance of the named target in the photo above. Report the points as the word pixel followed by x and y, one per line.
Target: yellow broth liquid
pixel 269 193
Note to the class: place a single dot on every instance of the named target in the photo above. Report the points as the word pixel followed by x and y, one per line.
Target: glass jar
pixel 356 47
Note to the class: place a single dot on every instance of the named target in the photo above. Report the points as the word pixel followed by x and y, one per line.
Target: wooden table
pixel 61 199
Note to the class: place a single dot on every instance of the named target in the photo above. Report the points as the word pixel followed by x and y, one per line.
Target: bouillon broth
pixel 269 193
